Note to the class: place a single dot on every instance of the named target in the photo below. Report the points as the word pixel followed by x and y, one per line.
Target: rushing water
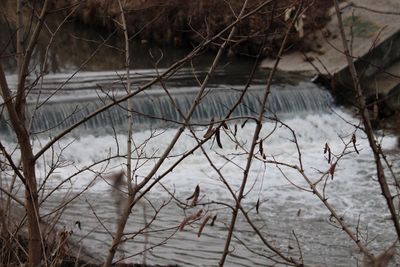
pixel 307 109
pixel 67 108
pixel 286 212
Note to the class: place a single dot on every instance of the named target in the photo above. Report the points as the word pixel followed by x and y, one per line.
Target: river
pixel 285 213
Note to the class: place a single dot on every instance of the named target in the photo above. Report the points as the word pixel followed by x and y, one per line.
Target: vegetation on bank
pixel 187 23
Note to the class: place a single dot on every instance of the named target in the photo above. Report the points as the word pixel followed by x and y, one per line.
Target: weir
pixel 153 108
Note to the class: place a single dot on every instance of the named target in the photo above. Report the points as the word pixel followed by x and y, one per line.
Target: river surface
pixel 289 216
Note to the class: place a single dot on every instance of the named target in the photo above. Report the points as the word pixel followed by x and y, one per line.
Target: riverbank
pixel 185 24
pixel 374 37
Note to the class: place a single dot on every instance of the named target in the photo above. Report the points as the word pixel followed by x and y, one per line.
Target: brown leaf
pixel 244 123
pixel 210 130
pixel 327 149
pixel 354 140
pixel 195 196
pixel 196 192
pixel 298 212
pixel 332 169
pixel 183 223
pixel 261 147
pixel 213 220
pixel 190 218
pixel 79 224
pixel 329 155
pixel 209 133
pixel 217 136
pixel 203 225
pixel 257 205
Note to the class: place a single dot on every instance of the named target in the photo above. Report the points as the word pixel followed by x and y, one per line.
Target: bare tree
pixel 134 175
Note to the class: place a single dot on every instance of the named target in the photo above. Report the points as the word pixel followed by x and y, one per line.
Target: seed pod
pixel 203 225
pixel 189 218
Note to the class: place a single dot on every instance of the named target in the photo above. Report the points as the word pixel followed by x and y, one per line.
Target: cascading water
pixel 285 209
pixel 153 107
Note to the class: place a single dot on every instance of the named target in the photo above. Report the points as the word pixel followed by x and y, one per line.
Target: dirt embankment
pixel 186 23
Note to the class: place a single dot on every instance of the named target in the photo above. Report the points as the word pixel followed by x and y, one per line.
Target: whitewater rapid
pixel 286 205
pixel 354 190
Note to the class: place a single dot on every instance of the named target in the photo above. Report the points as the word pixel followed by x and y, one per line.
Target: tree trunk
pixel 28 166
pixel 31 205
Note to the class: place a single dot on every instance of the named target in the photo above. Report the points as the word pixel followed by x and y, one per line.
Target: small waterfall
pixel 76 96
pixel 155 109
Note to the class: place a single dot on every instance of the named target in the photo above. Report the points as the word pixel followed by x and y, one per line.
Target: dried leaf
pixel 203 225
pixel 235 130
pixel 189 218
pixel 225 125
pixel 209 133
pixel 329 155
pixel 332 169
pixel 328 149
pixel 217 136
pixel 213 220
pixel 244 123
pixel 261 147
pixel 183 223
pixel 79 225
pixel 298 212
pixel 354 140
pixel 258 205
pixel 210 130
pixel 195 196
